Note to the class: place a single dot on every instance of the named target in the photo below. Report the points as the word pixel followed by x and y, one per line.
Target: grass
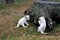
pixel 10 16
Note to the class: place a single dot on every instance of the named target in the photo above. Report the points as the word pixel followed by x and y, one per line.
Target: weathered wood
pixel 6 1
pixel 2 1
pixel 9 1
pixel 47 2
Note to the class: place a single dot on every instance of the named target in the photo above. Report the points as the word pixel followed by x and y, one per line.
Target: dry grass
pixel 8 19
